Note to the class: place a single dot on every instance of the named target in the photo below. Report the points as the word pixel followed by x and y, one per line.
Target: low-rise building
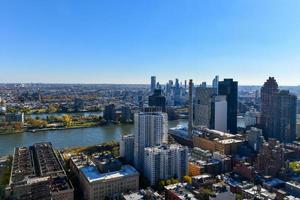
pixel 213 140
pixel 97 184
pixel 178 192
pixel 38 174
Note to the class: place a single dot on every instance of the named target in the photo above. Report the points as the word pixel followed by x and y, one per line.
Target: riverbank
pixel 67 138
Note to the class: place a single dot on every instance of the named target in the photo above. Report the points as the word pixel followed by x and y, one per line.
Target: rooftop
pixel 92 173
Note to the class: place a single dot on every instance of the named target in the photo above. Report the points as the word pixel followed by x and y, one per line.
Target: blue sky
pixel 127 41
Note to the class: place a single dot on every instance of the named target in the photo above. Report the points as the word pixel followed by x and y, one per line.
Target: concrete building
pixel 219 113
pixel 151 128
pixel 255 138
pixel 251 118
pixel 270 158
pixel 100 185
pixel 38 174
pixel 178 192
pixel 202 107
pixel 213 140
pixel 278 112
pixel 142 195
pixel 164 162
pixel 127 148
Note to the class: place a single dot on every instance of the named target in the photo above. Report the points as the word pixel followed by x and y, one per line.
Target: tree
pixel 168 182
pixel 52 108
pixel 67 120
pixel 187 179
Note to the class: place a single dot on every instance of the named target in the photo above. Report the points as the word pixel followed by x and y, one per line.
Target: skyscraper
pixel 191 109
pixel 286 114
pixel 229 88
pixel 203 100
pixel 153 83
pixel 215 83
pixel 165 162
pixel 151 128
pixel 158 100
pixel 278 112
pixel 268 107
pixel 177 93
pixel 219 113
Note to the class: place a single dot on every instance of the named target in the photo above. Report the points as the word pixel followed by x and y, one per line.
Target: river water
pixel 70 137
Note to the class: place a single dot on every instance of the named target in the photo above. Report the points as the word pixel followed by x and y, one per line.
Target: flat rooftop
pixel 92 173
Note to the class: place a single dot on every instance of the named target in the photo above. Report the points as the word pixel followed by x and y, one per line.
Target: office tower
pixel 215 83
pixel 151 129
pixel 109 113
pixel 191 115
pixel 177 93
pixel 203 100
pixel 219 113
pixel 125 114
pixel 158 100
pixel 164 162
pixel 255 138
pixel 287 117
pixel 203 84
pixel 229 88
pixel 185 85
pixel 153 83
pixel 278 112
pixel 127 147
pixel 268 107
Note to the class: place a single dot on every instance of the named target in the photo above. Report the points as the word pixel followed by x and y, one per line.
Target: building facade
pixel 278 112
pixel 151 128
pixel 165 162
pixel 229 88
pixel 127 148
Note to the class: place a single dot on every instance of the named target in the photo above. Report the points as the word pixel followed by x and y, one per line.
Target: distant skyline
pixel 64 41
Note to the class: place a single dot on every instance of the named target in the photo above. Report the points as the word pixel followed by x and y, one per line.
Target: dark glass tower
pixel 286 114
pixel 153 83
pixel 229 88
pixel 158 100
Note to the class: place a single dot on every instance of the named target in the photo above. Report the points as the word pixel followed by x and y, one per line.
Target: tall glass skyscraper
pixel 229 88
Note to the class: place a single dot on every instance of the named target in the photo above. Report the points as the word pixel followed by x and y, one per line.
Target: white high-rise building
pixel 151 129
pixel 219 113
pixel 165 161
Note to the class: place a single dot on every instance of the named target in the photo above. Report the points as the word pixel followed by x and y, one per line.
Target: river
pixel 70 137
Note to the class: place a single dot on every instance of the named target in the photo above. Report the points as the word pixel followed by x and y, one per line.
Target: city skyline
pixel 127 42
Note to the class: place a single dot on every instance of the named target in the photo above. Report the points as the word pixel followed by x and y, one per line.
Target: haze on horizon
pixel 128 41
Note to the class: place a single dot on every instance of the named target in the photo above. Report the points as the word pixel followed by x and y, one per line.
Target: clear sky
pixel 127 41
